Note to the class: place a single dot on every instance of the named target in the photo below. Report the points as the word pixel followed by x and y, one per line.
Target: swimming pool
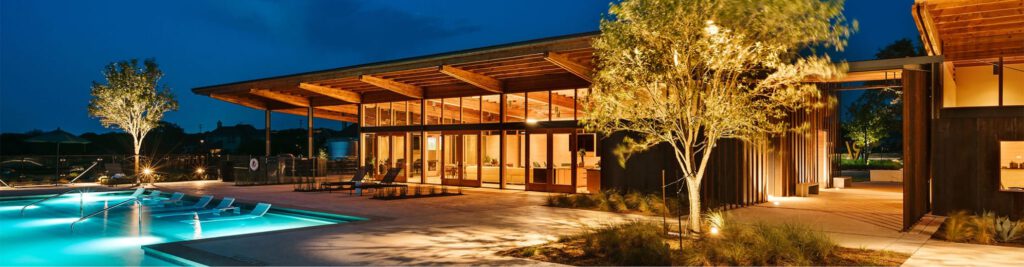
pixel 43 235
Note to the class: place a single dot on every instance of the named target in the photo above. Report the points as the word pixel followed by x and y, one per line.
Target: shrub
pixel 984 227
pixel 633 243
pixel 615 202
pixel 763 244
pixel 1008 230
pixel 957 227
pixel 632 200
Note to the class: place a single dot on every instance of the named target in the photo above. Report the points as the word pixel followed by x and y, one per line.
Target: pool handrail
pixel 130 200
pixel 47 198
pixel 94 163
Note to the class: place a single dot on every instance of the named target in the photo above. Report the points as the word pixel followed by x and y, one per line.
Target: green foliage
pixel 632 243
pixel 852 164
pixel 762 244
pixel 957 227
pixel 984 227
pixel 610 200
pixel 691 72
pixel 1008 230
pixel 873 116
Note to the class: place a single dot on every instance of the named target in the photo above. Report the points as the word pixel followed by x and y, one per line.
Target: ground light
pixel 714 230
pixel 200 170
pixel 147 171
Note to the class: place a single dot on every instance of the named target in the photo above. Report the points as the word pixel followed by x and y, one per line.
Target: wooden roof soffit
pixel 393 86
pixel 240 101
pixel 321 113
pixel 926 27
pixel 479 80
pixel 281 97
pixel 339 94
pixel 563 61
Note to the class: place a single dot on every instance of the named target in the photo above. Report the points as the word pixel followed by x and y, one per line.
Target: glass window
pixel 1011 166
pixel 490 147
pixel 539 167
pixel 561 158
pixel 490 108
pixel 369 149
pixel 401 113
pixel 515 160
pixel 385 114
pixel 971 86
pixel 581 98
pixel 471 109
pixel 433 111
pixel 452 111
pixel 416 154
pixel 369 115
pixel 415 112
pixel 563 104
pixel 540 107
pixel 515 107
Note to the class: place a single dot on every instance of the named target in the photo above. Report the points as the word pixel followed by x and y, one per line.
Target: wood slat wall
pixel 916 169
pixel 739 173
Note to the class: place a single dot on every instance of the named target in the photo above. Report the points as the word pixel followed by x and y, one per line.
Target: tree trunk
pixel 138 147
pixel 693 192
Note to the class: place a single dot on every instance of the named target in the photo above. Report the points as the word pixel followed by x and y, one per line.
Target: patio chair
pixel 153 195
pixel 174 199
pixel 138 192
pixel 387 181
pixel 356 178
pixel 256 212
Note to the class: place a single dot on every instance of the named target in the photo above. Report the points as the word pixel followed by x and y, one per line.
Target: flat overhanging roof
pixel 552 63
pixel 972 31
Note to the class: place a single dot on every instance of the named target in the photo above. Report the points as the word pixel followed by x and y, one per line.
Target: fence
pixel 283 169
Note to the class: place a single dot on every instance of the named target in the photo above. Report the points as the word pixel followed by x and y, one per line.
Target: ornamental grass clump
pixel 762 244
pixel 984 227
pixel 632 243
pixel 957 227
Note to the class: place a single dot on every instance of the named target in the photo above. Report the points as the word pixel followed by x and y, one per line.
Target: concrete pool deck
pixel 469 229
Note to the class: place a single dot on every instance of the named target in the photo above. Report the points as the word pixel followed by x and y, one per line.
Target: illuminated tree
pixel 131 100
pixel 689 73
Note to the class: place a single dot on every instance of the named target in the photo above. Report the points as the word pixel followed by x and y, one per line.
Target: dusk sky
pixel 50 51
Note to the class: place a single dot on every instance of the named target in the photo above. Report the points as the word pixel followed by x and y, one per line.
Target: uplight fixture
pixel 147 171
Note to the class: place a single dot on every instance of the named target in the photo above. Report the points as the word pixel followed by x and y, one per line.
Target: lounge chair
pixel 356 178
pixel 387 181
pixel 256 212
pixel 138 192
pixel 174 199
pixel 223 206
pixel 200 204
pixel 153 195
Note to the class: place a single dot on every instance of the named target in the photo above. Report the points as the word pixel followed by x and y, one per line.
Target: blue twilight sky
pixel 50 51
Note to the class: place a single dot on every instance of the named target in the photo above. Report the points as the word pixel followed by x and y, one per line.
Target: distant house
pixel 230 139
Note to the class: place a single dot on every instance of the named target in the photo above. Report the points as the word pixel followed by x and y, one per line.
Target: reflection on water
pixel 43 235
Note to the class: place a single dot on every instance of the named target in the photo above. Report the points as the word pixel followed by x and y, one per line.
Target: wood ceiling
pixel 971 31
pixel 546 64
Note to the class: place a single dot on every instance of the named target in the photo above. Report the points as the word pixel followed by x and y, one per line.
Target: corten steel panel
pixel 916 169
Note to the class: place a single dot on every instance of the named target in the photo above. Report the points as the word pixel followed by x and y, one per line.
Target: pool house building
pixel 507 117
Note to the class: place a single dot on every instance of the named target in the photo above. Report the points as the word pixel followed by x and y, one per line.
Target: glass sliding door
pixel 469 168
pixel 539 168
pixel 490 148
pixel 398 150
pixel 416 156
pixel 432 175
pixel 450 159
pixel 562 158
pixel 515 159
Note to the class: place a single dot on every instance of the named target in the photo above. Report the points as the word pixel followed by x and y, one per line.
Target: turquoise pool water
pixel 43 236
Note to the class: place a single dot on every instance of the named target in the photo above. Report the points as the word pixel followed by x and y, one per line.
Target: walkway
pixel 463 230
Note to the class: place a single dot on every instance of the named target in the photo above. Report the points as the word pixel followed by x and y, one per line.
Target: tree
pixel 688 73
pixel 872 116
pixel 899 49
pixel 131 100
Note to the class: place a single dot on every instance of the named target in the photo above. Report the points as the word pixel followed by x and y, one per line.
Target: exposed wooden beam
pixel 281 97
pixel 556 99
pixel 320 113
pixel 926 27
pixel 241 101
pixel 391 85
pixel 563 61
pixel 484 82
pixel 349 109
pixel 339 94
